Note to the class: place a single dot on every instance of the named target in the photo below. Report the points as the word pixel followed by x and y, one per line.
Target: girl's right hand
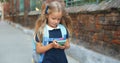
pixel 55 44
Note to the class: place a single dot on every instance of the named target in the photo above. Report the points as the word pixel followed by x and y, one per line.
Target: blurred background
pixel 96 25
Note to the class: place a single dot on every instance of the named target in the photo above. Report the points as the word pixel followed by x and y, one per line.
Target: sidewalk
pixel 16 45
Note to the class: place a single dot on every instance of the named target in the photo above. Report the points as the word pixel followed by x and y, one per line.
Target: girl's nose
pixel 56 21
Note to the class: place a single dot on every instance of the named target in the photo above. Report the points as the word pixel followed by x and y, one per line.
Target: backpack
pixel 37 58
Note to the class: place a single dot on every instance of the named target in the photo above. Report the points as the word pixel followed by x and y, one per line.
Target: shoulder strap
pixel 63 30
pixel 45 36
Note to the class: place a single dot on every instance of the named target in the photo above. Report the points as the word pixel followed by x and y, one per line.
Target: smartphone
pixel 61 42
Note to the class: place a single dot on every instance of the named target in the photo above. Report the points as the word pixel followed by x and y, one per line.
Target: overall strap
pixel 63 30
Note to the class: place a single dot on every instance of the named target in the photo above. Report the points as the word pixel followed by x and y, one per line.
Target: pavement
pixel 16 44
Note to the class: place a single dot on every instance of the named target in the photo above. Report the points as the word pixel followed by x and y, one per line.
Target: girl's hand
pixel 62 47
pixel 67 44
pixel 55 44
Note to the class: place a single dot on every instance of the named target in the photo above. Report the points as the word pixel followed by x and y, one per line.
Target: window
pixel 21 5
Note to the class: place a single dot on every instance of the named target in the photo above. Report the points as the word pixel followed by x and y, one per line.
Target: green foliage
pixel 4 0
pixel 35 4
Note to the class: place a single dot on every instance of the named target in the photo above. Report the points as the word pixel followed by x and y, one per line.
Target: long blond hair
pixel 48 8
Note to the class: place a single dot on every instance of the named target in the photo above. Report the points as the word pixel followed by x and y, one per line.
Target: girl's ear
pixel 47 16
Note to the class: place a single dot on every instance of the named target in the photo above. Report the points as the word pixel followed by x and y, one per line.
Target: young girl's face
pixel 54 19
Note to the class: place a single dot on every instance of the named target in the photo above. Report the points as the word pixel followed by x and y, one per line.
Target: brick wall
pixel 98 31
pixel 20 20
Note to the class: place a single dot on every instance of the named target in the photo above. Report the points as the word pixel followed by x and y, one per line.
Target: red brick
pixel 116 41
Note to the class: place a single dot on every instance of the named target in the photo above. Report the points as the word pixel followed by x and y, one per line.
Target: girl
pixel 53 25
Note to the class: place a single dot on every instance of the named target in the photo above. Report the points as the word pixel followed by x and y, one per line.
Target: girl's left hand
pixel 62 47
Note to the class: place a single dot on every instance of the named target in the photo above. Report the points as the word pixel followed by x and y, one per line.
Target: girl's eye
pixel 56 18
pixel 59 19
pixel 53 18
